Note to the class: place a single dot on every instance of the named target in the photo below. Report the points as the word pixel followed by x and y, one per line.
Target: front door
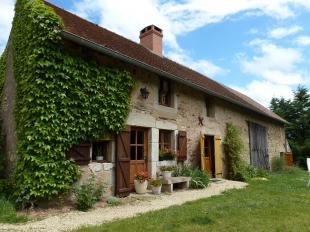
pixel 138 152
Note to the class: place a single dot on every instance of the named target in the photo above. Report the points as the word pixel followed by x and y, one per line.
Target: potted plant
pixel 166 154
pixel 156 186
pixel 141 180
pixel 167 171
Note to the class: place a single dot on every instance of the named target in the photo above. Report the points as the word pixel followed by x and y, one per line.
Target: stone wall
pixel 188 105
pixel 184 116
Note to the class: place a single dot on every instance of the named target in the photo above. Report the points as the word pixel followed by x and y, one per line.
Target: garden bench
pixel 181 181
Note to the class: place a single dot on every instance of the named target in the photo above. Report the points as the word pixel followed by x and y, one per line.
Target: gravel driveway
pixel 76 219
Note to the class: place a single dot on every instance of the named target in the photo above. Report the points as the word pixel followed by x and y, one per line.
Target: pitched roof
pixel 80 27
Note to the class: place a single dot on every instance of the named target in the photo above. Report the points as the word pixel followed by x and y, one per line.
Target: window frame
pixel 162 92
pixel 106 149
pixel 161 140
pixel 136 144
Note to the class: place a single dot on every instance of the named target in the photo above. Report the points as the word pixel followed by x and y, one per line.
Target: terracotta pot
pixel 140 187
pixel 166 174
pixel 156 189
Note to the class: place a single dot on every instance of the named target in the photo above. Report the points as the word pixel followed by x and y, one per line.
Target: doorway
pixel 208 156
pixel 138 152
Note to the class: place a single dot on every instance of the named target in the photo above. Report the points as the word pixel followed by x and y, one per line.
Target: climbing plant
pixel 233 145
pixel 61 100
pixel 2 74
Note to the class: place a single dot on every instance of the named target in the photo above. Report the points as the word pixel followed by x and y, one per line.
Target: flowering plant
pixel 142 176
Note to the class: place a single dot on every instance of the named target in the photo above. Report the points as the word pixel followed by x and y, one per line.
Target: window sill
pixel 99 161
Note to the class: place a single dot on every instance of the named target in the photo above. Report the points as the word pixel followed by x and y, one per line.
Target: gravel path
pixel 76 219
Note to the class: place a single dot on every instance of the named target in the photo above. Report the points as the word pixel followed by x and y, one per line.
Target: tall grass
pixel 8 213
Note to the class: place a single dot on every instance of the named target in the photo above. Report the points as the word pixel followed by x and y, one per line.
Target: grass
pixel 280 204
pixel 8 213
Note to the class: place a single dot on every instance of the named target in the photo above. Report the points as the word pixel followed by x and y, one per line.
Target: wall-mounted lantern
pixel 144 92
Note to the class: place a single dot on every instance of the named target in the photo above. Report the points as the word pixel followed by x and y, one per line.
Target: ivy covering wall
pixel 62 100
pixel 2 73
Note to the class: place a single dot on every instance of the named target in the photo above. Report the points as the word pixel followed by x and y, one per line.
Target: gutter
pixel 102 49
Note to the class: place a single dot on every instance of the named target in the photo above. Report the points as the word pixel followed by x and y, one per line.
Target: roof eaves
pixel 108 51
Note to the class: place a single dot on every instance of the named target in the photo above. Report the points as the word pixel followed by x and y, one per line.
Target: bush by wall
pixel 200 179
pixel 233 145
pixel 277 164
pixel 61 101
pixel 87 194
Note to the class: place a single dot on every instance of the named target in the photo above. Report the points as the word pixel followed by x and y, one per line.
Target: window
pixel 210 111
pixel 137 143
pixel 165 140
pixel 100 150
pixel 165 93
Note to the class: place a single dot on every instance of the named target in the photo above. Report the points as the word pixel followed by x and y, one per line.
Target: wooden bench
pixel 181 181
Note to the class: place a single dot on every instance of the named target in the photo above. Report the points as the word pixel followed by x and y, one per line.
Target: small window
pixel 165 93
pixel 165 140
pixel 210 111
pixel 100 150
pixel 138 143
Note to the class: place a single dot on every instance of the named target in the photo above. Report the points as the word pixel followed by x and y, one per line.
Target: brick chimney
pixel 151 37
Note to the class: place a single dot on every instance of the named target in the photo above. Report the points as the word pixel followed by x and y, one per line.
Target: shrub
pixel 233 145
pixel 199 179
pixel 87 194
pixel 260 172
pixel 7 188
pixel 113 201
pixel 166 155
pixel 277 164
pixel 156 182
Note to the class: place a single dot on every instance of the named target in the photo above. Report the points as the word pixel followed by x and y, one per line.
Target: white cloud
pixel 203 66
pixel 282 32
pixel 275 64
pixel 177 18
pixel 6 17
pixel 303 40
pixel 264 91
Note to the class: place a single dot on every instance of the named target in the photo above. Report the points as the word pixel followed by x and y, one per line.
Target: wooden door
pixel 208 154
pixel 258 146
pixel 138 152
pixel 123 163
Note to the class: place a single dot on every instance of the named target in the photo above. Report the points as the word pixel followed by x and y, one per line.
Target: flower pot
pixel 166 174
pixel 140 187
pixel 99 157
pixel 156 189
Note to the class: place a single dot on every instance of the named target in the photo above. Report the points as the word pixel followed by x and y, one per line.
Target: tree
pixel 297 113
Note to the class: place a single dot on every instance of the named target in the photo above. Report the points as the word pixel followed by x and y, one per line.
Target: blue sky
pixel 258 47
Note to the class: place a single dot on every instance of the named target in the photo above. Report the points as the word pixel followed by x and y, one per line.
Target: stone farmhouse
pixel 172 108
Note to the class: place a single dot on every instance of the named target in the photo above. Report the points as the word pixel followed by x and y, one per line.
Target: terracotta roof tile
pixel 92 32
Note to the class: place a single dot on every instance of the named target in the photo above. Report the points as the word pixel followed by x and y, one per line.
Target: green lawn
pixel 8 213
pixel 280 204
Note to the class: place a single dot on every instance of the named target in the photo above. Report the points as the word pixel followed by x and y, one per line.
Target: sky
pixel 258 47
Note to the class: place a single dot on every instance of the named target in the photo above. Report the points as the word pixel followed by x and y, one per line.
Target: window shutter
pixel 182 144
pixel 202 152
pixel 80 153
pixel 218 156
pixel 123 164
